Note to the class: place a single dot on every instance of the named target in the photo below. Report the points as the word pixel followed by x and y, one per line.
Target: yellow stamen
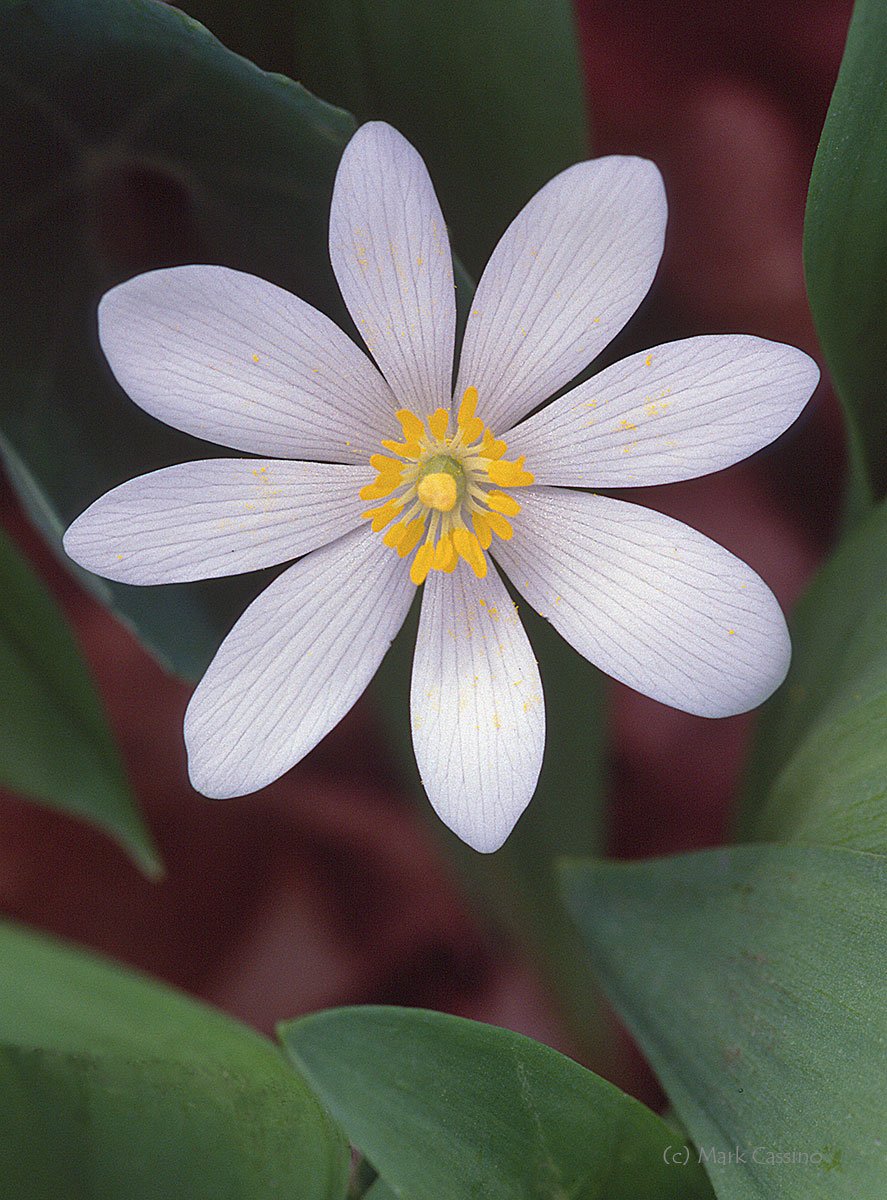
pixel 438 490
pixel 468 405
pixel 499 525
pixel 438 422
pixel 451 562
pixel 384 486
pixel 422 563
pixel 383 514
pixel 445 553
pixel 393 535
pixel 385 466
pixel 510 474
pixel 413 429
pixel 404 449
pixel 491 448
pixel 483 529
pixel 503 503
pixel 410 539
pixel 468 548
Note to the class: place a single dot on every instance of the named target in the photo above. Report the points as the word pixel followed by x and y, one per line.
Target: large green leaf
pixel 753 979
pixel 819 769
pixel 114 1088
pixel 448 1109
pixel 845 244
pixel 132 139
pixel 54 743
pixel 490 91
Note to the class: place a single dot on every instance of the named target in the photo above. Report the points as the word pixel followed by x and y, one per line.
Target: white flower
pixel 385 477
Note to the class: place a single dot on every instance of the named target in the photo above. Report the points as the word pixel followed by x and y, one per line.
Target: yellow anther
pixel 449 561
pixel 499 525
pixel 383 514
pixel 503 503
pixel 445 554
pixel 386 465
pixel 438 490
pixel 491 448
pixel 422 563
pixel 483 529
pixel 468 547
pixel 468 405
pixel 393 535
pixel 438 422
pixel 404 449
pixel 410 539
pixel 509 474
pixel 383 486
pixel 413 429
pixel 472 430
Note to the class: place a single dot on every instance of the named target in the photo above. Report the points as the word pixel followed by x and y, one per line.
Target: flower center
pixel 445 483
pixel 438 490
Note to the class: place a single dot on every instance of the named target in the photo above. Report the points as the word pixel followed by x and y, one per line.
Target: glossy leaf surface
pixel 133 139
pixel 449 1109
pixel 114 1087
pixel 753 980
pixel 845 245
pixel 55 745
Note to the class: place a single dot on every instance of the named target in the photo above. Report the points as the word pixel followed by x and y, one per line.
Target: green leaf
pixel 54 744
pixel 448 1109
pixel 819 769
pixel 114 1088
pixel 132 139
pixel 753 979
pixel 489 91
pixel 381 1191
pixel 845 245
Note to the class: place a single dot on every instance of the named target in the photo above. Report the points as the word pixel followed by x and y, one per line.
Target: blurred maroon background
pixel 325 888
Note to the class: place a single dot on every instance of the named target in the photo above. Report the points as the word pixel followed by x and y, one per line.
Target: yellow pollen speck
pixel 255 358
pixel 649 359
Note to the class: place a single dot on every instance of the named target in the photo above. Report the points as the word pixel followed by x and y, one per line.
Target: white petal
pixel 238 361
pixel 476 705
pixel 677 411
pixel 649 600
pixel 567 274
pixel 294 664
pixel 220 517
pixel 391 255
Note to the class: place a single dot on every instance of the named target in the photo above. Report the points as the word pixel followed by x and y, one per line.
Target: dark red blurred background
pixel 325 888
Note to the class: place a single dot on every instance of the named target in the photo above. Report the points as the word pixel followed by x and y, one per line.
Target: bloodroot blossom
pixel 383 479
